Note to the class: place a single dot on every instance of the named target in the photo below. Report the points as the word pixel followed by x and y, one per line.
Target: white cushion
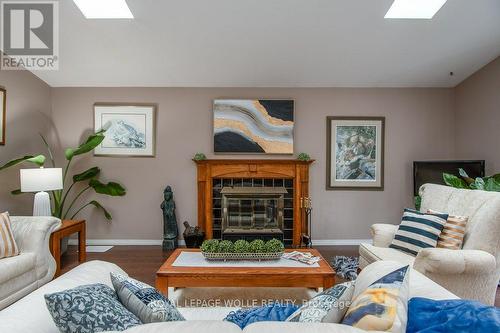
pixel 374 253
pixel 420 285
pixel 12 267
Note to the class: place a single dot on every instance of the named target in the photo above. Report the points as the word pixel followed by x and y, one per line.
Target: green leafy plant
pixel 210 246
pixel 62 207
pixel 418 202
pixel 226 246
pixel 304 157
pixel 199 157
pixel 257 246
pixel 274 245
pixel 241 246
pixel 490 183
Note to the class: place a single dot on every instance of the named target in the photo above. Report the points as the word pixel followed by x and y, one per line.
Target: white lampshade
pixel 41 179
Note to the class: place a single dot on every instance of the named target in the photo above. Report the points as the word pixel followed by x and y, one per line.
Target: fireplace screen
pixel 252 209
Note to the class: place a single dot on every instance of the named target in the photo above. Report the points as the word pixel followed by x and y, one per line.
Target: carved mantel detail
pixel 297 170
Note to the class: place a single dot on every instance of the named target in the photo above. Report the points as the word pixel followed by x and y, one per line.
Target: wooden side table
pixel 67 228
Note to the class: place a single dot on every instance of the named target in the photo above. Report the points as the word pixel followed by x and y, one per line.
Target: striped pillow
pixel 418 231
pixel 452 236
pixel 8 246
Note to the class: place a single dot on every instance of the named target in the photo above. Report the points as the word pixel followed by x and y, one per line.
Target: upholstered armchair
pixel 471 273
pixel 34 266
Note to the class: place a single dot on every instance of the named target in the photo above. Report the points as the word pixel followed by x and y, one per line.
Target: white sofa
pixel 30 314
pixel 34 266
pixel 470 273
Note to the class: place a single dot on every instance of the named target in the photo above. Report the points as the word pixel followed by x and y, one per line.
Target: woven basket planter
pixel 242 256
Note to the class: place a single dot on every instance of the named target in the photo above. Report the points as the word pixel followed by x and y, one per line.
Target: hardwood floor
pixel 142 262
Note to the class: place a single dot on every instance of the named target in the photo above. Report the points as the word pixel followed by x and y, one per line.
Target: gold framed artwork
pixel 355 153
pixel 130 129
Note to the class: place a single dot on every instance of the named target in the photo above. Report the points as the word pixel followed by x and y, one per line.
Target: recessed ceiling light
pixel 414 9
pixel 104 9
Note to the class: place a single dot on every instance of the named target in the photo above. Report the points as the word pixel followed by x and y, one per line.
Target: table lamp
pixel 41 180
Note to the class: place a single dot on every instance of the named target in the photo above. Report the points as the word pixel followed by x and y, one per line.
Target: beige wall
pixel 478 117
pixel 419 125
pixel 28 113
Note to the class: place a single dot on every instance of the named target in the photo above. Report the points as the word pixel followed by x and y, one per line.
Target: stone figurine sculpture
pixel 170 229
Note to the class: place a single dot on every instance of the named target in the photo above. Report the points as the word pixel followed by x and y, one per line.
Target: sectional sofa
pixel 30 314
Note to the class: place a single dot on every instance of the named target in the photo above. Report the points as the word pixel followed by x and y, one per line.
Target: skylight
pixel 414 9
pixel 104 9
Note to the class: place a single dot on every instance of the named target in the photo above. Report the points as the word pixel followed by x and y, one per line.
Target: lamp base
pixel 41 205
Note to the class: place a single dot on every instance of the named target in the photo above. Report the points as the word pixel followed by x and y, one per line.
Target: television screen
pixel 432 171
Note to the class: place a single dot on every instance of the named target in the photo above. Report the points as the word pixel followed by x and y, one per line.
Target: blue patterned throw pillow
pixel 418 231
pixel 88 309
pixel 328 306
pixel 144 301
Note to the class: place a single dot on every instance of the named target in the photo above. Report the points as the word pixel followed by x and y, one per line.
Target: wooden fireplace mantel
pixel 236 168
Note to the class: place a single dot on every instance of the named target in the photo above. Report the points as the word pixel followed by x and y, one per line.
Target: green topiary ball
pixel 241 246
pixel 210 246
pixel 199 157
pixel 257 246
pixel 274 245
pixel 226 246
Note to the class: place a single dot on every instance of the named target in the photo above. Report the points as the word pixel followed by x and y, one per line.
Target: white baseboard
pixel 318 242
pixel 122 242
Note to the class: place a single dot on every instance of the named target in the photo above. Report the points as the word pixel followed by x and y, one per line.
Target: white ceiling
pixel 275 43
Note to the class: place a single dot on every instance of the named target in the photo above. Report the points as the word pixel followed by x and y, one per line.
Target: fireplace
pixel 252 213
pixel 255 212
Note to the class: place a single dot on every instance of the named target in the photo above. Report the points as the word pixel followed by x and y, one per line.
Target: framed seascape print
pixel 3 107
pixel 253 126
pixel 355 153
pixel 130 129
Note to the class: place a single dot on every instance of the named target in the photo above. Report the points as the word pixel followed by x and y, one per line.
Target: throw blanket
pixel 457 316
pixel 273 312
pixel 346 267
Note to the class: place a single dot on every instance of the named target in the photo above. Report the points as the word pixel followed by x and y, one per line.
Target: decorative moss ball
pixel 304 157
pixel 210 246
pixel 199 157
pixel 257 246
pixel 226 246
pixel 241 246
pixel 274 245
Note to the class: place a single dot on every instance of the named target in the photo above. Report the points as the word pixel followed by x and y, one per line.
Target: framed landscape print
pixel 262 126
pixel 3 106
pixel 355 153
pixel 130 129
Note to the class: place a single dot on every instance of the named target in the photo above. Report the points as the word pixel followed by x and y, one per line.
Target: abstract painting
pixel 3 97
pixel 130 129
pixel 253 126
pixel 355 152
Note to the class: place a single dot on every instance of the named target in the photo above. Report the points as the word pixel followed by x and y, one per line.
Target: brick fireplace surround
pixel 213 174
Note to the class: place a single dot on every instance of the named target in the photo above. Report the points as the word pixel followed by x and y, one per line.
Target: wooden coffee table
pixel 300 277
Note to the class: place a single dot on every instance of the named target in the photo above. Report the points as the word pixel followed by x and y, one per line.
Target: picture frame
pixel 253 126
pixel 130 129
pixel 3 117
pixel 355 153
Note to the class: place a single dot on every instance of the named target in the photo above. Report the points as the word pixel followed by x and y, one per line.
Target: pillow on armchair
pixel 418 231
pixel 8 246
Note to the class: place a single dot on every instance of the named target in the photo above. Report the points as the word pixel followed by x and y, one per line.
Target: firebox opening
pixel 252 213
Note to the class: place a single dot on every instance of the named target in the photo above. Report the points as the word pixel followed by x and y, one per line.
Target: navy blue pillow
pixel 457 316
